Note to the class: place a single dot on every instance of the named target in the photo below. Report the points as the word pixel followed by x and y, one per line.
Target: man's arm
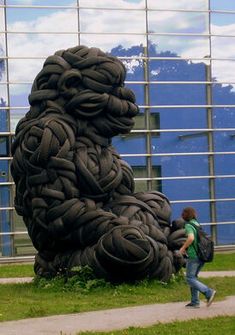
pixel 187 243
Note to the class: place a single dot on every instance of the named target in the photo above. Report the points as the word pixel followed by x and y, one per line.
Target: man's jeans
pixel 193 266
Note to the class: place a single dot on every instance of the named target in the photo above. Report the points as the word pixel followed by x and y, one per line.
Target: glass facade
pixel 180 61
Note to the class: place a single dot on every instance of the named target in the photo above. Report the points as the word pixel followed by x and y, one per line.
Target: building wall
pixel 180 63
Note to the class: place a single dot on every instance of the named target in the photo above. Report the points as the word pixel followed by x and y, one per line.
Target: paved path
pixel 120 318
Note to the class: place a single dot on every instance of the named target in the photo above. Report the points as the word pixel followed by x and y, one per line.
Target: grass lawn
pixel 19 301
pixel 193 327
pixel 221 262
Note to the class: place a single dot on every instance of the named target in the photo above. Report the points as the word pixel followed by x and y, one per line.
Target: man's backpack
pixel 205 245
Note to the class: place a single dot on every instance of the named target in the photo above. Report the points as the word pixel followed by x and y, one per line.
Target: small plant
pixel 77 279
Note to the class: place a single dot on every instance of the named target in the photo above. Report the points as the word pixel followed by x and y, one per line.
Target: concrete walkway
pixel 120 318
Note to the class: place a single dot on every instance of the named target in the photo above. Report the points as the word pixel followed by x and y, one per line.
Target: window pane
pixel 19 95
pixel 138 90
pixel 4 115
pixel 130 144
pixel 186 189
pixel 4 146
pixel 16 115
pixel 177 22
pixel 112 21
pixel 173 118
pixel 226 233
pixel 180 4
pixel 202 208
pixel 223 5
pixel 223 94
pixel 178 94
pixel 39 45
pixel 224 117
pixel 222 47
pixel 4 177
pixel 109 42
pixel 184 46
pixel 2 19
pixel 112 4
pixel 224 71
pixel 224 164
pixel 225 141
pixel 225 189
pixel 180 166
pixel 39 19
pixel 5 227
pixel 47 3
pixel 179 142
pixel 222 23
pixel 177 70
pixel 135 69
pixel 24 70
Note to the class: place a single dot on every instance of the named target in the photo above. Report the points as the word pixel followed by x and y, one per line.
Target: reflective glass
pixel 202 208
pixel 16 115
pixel 2 45
pixel 180 4
pixel 177 70
pixel 138 90
pixel 23 245
pixel 19 95
pixel 222 5
pixel 2 19
pixel 224 189
pixel 178 94
pixel 223 94
pixel 130 144
pixel 224 71
pixel 4 146
pixel 117 21
pixel 224 165
pixel 179 142
pixel 4 115
pixel 136 161
pixel 42 20
pixel 3 93
pixel 180 166
pixel 39 45
pixel 135 69
pixel 182 46
pixel 140 4
pixel 224 118
pixel 41 3
pixel 187 118
pixel 187 189
pixel 112 43
pixel 24 70
pixel 225 141
pixel 5 224
pixel 4 176
pixel 223 24
pixel 226 233
pixel 223 47
pixel 178 22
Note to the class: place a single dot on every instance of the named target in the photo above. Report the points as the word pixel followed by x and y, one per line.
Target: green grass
pixel 16 270
pixel 19 301
pixel 193 327
pixel 221 262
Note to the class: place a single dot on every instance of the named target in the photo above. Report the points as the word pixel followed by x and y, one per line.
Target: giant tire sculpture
pixel 75 193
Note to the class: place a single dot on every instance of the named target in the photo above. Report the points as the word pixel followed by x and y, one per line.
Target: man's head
pixel 189 213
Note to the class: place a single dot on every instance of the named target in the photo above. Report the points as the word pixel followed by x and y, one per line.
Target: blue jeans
pixel 193 266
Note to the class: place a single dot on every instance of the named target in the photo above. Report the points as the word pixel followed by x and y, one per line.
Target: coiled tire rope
pixel 73 190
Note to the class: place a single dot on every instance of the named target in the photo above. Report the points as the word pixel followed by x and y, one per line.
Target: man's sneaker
pixel 191 305
pixel 210 300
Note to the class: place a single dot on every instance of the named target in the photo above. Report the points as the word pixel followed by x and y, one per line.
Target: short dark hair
pixel 190 213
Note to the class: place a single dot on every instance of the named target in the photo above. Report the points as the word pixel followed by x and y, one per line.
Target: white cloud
pixel 28 45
